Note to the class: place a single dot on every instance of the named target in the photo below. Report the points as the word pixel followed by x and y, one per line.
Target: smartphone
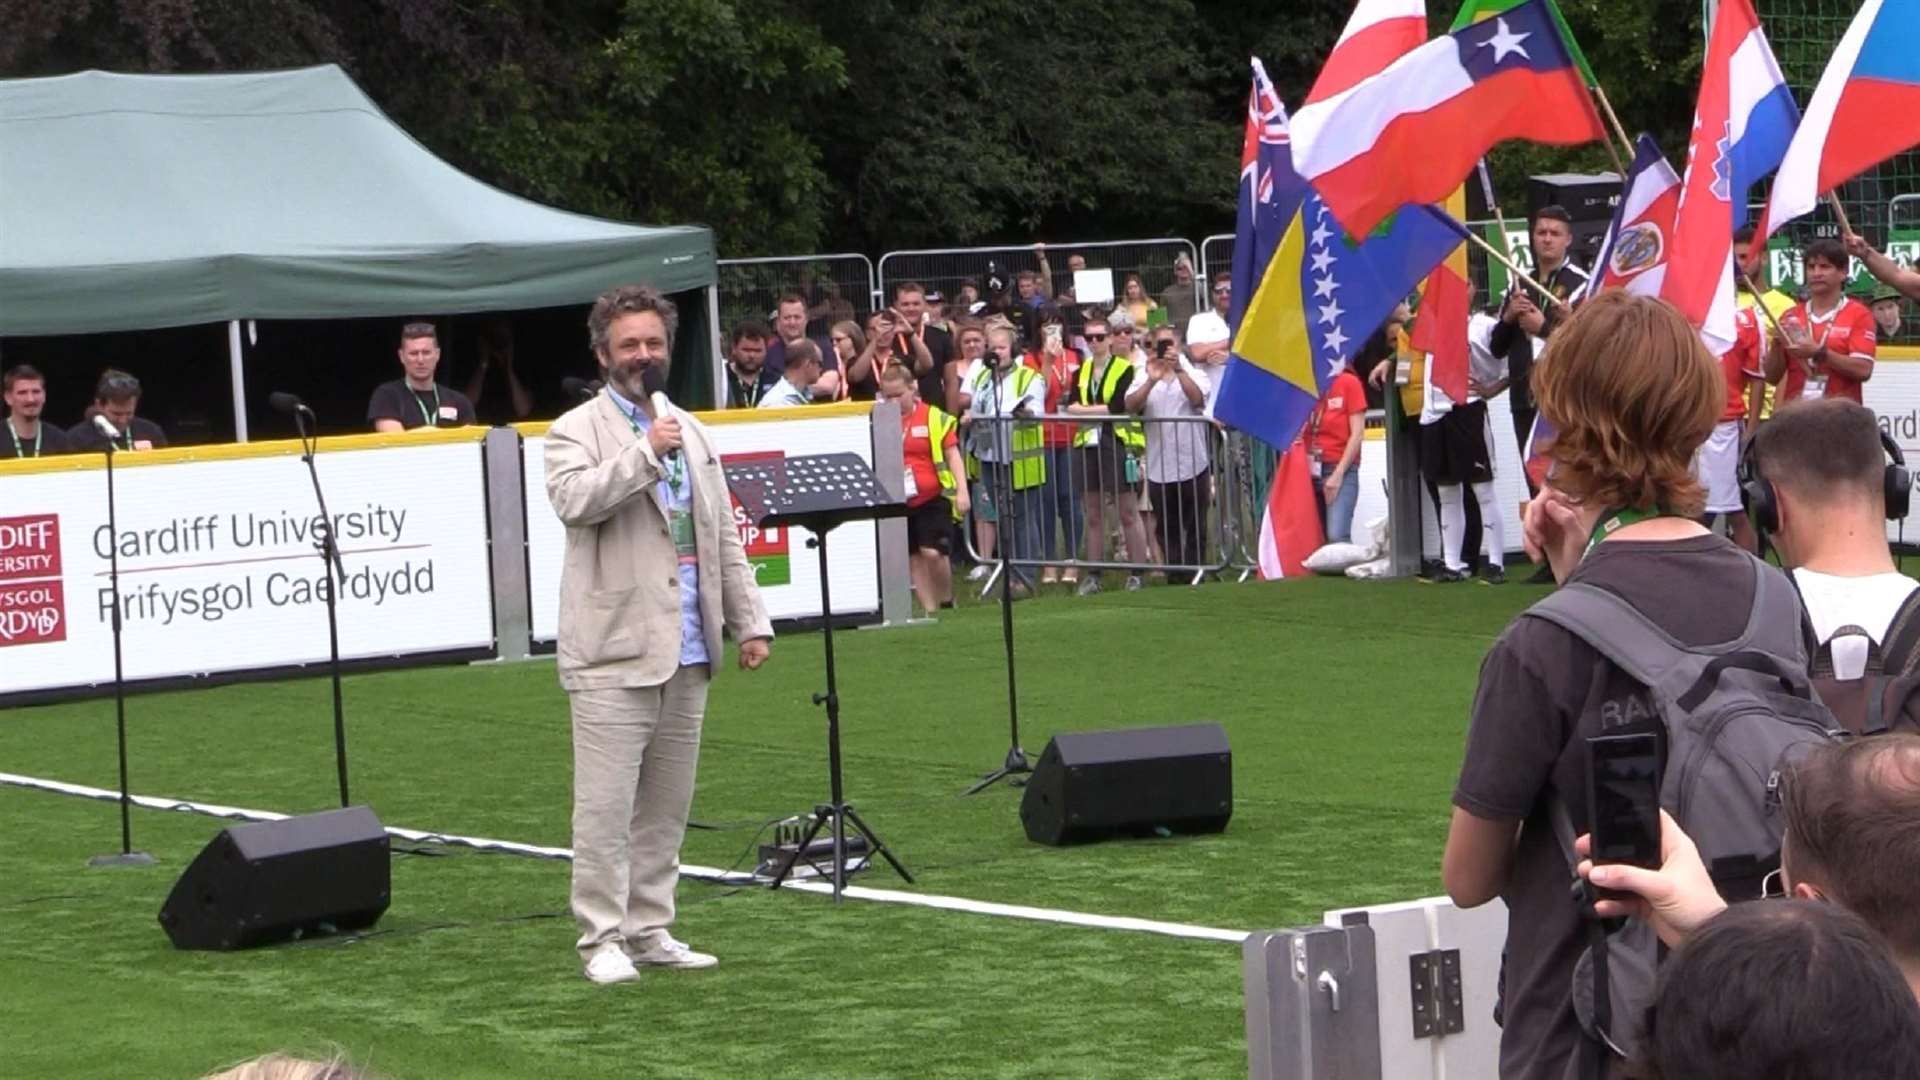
pixel 1623 799
pixel 1053 333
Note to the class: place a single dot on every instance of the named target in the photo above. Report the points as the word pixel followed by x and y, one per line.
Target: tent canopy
pixel 133 202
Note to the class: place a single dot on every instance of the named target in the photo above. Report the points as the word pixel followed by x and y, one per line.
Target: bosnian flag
pixel 1865 110
pixel 1378 33
pixel 1413 132
pixel 1741 126
pixel 1633 254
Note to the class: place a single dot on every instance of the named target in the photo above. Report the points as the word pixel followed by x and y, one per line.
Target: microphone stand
pixel 1016 761
pixel 127 856
pixel 329 551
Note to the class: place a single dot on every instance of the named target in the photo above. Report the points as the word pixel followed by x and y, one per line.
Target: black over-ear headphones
pixel 1763 505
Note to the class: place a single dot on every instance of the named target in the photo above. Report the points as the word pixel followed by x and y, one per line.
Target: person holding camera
pixel 1060 510
pixel 1632 394
pixel 1178 454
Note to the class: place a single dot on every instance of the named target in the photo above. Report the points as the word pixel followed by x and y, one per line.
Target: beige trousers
pixel 634 754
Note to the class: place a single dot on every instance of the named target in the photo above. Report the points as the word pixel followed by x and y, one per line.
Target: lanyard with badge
pixel 1613 523
pixel 20 448
pixel 679 518
pixel 432 419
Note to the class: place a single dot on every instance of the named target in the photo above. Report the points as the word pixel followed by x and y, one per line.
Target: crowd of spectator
pixel 110 421
pixel 991 378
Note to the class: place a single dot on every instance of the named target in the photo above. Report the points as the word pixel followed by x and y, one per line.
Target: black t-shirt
pixel 83 437
pixel 50 440
pixel 1542 692
pixel 933 385
pixel 745 392
pixel 419 408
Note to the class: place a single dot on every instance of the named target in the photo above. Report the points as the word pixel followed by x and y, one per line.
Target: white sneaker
pixel 979 572
pixel 666 952
pixel 611 965
pixel 1133 583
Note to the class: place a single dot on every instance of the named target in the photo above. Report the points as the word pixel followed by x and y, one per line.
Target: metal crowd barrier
pixel 949 269
pixel 837 286
pixel 1158 511
pixel 1216 253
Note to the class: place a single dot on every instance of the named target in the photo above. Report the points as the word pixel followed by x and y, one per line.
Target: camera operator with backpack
pixel 1822 479
pixel 1661 629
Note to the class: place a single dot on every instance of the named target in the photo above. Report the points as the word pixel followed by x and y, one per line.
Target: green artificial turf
pixel 1345 703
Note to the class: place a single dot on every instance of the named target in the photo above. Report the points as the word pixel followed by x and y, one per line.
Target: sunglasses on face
pixel 1096 337
pixel 1223 288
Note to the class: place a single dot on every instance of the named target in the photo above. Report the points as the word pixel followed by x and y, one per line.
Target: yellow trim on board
pixel 240 451
pixel 534 429
pixel 1898 352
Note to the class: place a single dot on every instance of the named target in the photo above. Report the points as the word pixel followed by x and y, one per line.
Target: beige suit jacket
pixel 620 584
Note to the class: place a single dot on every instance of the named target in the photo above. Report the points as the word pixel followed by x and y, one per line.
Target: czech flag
pixel 1865 110
pixel 1633 254
pixel 1741 126
pixel 1412 133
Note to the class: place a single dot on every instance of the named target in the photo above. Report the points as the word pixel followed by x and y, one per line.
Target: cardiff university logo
pixel 33 607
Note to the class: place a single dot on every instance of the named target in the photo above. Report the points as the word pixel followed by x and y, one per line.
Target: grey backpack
pixel 1736 714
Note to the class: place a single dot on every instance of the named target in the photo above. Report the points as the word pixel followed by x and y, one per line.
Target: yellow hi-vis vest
pixel 1029 456
pixel 938 424
pixel 1131 432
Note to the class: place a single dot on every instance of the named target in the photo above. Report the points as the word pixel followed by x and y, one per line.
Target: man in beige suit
pixel 654 570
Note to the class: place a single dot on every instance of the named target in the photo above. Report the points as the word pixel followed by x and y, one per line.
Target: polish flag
pixel 1378 33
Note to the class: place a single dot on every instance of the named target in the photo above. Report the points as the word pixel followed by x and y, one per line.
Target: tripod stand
pixel 819 493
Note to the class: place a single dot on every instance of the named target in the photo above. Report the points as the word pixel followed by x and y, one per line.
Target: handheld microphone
pixel 654 382
pixel 579 389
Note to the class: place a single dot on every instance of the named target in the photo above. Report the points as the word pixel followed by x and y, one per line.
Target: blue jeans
pixel 1338 515
pixel 1060 509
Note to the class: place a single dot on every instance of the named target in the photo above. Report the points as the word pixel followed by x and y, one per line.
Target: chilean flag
pixel 1413 132
pixel 1633 254
pixel 1741 126
pixel 1378 33
pixel 1865 110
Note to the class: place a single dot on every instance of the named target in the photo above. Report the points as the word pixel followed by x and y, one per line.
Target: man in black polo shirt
pixel 1528 318
pixel 116 396
pixel 418 401
pixel 748 379
pixel 26 396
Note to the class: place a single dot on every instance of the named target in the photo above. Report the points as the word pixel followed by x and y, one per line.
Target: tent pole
pixel 716 335
pixel 239 377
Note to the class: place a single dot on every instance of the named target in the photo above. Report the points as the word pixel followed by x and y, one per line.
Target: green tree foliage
pixel 814 125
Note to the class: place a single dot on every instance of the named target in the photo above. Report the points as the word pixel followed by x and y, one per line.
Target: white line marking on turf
pixel 703 873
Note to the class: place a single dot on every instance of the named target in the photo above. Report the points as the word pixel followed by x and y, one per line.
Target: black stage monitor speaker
pixel 275 880
pixel 1090 785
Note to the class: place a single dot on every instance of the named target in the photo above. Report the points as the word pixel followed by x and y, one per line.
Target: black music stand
pixel 818 493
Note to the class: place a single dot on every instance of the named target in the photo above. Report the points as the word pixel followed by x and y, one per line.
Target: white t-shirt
pixel 1207 328
pixel 1869 603
pixel 1482 366
pixel 997 399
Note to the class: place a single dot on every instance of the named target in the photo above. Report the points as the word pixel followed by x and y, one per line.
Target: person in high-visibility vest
pixel 936 485
pixel 1109 460
pixel 1012 457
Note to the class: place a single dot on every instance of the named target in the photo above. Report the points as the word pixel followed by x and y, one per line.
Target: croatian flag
pixel 1413 132
pixel 1741 126
pixel 1633 254
pixel 1865 110
pixel 1377 33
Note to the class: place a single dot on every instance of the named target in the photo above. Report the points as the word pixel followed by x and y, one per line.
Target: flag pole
pixel 1606 108
pixel 1758 302
pixel 1833 200
pixel 1495 253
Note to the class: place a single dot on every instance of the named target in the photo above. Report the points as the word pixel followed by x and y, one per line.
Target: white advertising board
pixel 1894 395
pixel 217 566
pixel 787 570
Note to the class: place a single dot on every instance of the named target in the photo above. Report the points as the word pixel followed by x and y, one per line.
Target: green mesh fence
pixel 1883 205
